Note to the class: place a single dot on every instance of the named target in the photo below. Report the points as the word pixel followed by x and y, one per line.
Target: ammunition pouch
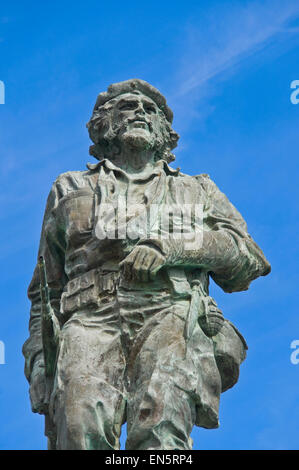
pixel 230 351
pixel 85 291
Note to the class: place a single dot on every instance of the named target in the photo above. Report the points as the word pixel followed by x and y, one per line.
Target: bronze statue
pixel 122 328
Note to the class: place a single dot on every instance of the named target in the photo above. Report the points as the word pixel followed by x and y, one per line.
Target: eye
pixel 127 106
pixel 149 109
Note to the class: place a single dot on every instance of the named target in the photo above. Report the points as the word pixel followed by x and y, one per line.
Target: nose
pixel 140 109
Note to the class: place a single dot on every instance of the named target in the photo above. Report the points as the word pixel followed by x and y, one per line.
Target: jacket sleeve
pixel 52 248
pixel 228 251
pixel 225 250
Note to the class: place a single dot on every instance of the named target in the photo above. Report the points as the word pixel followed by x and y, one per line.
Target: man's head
pixel 134 114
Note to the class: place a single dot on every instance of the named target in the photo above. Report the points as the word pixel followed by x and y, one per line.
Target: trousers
pixel 128 362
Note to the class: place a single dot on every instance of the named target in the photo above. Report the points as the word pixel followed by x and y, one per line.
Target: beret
pixel 133 85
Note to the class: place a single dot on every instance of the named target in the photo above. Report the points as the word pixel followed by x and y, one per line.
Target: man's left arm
pixel 226 250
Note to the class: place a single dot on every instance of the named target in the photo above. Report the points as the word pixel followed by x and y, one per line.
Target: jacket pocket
pixel 76 212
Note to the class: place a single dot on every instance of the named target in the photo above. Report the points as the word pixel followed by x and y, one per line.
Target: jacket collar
pixel 160 164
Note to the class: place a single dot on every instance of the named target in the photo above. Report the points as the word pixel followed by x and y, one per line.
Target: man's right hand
pixel 142 264
pixel 38 389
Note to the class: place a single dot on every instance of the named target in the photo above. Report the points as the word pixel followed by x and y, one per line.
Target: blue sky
pixel 226 69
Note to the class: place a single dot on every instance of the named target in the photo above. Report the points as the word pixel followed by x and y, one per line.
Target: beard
pixel 137 139
pixel 111 136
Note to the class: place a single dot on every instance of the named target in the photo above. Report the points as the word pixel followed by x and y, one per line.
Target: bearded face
pixel 137 121
pixel 132 120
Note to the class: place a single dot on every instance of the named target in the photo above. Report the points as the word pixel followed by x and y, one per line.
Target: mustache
pixel 138 119
pixel 103 125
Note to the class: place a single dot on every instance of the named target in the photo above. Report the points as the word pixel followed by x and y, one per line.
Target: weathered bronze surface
pixel 122 327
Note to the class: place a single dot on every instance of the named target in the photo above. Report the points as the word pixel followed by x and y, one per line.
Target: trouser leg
pixel 160 412
pixel 88 403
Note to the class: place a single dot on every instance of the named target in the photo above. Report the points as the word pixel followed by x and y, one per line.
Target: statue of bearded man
pixel 135 336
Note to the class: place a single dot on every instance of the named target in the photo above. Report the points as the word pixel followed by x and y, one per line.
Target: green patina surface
pixel 122 326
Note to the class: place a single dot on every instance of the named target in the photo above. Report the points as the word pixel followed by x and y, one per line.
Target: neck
pixel 134 160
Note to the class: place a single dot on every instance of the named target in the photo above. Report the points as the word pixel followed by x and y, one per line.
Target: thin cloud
pixel 222 40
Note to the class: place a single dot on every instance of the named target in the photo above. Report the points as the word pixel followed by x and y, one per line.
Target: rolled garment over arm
pixel 226 250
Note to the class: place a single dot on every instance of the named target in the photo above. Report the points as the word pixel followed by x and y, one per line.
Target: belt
pixel 85 290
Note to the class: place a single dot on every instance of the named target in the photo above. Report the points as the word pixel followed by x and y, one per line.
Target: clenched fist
pixel 142 264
